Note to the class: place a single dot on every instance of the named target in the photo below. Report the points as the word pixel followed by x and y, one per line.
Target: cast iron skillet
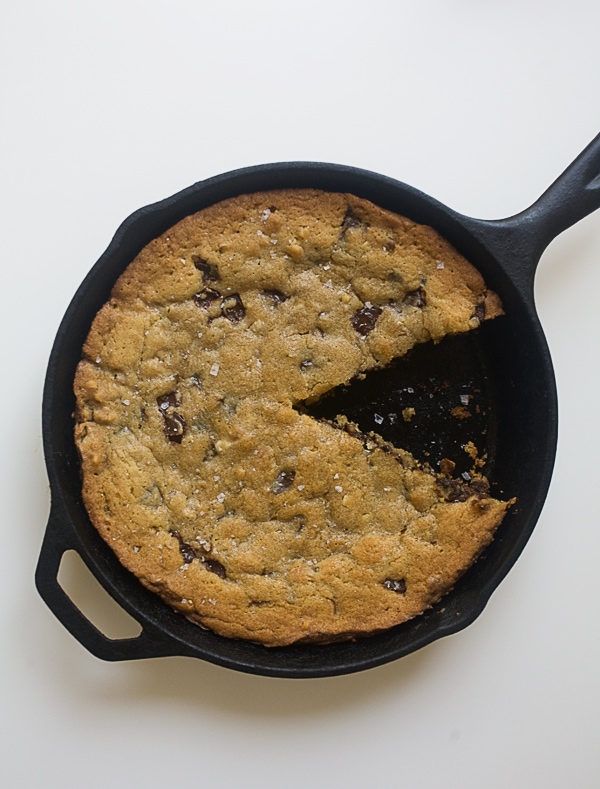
pixel 503 368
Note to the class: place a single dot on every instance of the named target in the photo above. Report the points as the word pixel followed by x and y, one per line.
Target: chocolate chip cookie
pixel 202 467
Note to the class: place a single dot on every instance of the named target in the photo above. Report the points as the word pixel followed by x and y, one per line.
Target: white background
pixel 110 106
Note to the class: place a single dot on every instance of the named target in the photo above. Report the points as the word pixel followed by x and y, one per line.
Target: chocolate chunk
pixel 174 427
pixel 416 298
pixel 189 554
pixel 210 272
pixel 170 400
pixel 213 566
pixel 206 297
pixel 233 308
pixel 350 220
pixel 283 482
pixel 276 296
pixel 453 489
pixel 364 320
pixel 481 487
pixel 397 585
pixel 187 551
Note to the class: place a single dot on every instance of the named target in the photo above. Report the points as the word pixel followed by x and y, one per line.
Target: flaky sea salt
pixel 339 488
pixel 221 497
pixel 464 399
pixel 214 370
pixel 378 418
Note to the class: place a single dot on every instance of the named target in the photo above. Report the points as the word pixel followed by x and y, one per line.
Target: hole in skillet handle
pixel 92 599
pixel 165 632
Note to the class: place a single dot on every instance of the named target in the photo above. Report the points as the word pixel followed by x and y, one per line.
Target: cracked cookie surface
pixel 201 468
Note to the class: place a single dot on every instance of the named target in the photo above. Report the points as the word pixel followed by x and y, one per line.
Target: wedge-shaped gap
pixel 433 402
pixel 93 600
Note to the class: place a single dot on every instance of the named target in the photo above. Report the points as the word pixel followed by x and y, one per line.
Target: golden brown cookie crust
pixel 199 467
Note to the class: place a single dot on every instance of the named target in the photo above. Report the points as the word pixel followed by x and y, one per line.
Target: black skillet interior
pixel 499 378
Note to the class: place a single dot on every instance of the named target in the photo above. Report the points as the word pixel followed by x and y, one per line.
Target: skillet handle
pixel 150 643
pixel 518 242
pixel 574 195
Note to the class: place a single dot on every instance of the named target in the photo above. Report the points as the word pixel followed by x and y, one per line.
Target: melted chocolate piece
pixel 206 297
pixel 187 551
pixel 364 320
pixel 395 585
pixel 213 566
pixel 455 490
pixel 210 272
pixel 350 220
pixel 174 427
pixel 480 487
pixel 416 298
pixel 170 400
pixel 233 308
pixel 284 481
pixel 276 296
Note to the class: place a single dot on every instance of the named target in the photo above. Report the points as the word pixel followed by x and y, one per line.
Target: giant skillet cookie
pixel 201 467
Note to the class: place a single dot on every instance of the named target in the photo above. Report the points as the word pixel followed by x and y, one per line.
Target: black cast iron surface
pixel 499 377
